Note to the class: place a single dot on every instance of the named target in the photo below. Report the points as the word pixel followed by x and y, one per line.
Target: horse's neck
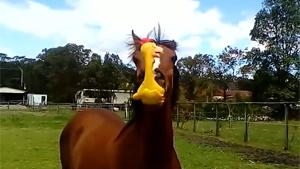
pixel 151 134
pixel 155 125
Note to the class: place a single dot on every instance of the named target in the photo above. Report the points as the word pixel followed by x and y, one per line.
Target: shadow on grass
pixel 250 153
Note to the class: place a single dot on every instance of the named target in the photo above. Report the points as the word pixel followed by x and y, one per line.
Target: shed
pixel 36 99
pixel 8 94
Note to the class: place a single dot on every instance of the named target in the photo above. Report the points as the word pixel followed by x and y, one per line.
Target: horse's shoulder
pixel 91 118
pixel 91 121
pixel 99 114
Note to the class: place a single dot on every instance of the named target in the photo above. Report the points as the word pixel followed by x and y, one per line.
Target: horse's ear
pixel 136 40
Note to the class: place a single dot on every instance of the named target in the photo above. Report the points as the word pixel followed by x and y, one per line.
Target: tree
pixel 10 75
pixel 12 71
pixel 92 73
pixel 113 75
pixel 4 57
pixel 61 70
pixel 277 27
pixel 230 61
pixel 194 72
pixel 129 75
pixel 229 64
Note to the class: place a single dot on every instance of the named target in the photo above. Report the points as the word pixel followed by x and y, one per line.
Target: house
pixel 233 93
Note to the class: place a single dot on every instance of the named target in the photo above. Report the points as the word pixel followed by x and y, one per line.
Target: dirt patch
pixel 250 153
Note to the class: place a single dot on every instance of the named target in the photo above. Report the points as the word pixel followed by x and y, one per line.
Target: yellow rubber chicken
pixel 149 92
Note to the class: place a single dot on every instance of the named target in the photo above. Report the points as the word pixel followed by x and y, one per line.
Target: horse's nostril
pixel 158 74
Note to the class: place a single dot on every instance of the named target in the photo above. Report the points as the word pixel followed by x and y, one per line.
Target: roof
pixel 11 90
pixel 33 94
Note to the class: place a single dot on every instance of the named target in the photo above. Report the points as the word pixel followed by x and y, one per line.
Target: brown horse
pixel 99 139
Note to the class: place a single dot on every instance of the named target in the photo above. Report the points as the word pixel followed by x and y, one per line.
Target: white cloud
pixel 230 34
pixel 106 25
pixel 188 46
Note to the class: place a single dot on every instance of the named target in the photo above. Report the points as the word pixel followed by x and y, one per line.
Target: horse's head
pixel 157 75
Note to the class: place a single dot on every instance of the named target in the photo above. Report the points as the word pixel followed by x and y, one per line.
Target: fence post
pixel 229 116
pixel 8 105
pixel 194 117
pixel 126 111
pixel 57 107
pixel 112 107
pixel 129 114
pixel 286 120
pixel 246 125
pixel 177 116
pixel 217 121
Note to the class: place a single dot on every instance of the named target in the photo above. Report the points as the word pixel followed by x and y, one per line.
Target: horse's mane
pixel 136 105
pixel 158 39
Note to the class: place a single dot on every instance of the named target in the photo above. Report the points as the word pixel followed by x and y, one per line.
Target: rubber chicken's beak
pixel 149 92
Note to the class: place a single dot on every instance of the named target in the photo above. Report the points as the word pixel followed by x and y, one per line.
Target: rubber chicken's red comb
pixel 145 40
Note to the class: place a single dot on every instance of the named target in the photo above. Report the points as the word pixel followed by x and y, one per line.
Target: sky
pixel 199 26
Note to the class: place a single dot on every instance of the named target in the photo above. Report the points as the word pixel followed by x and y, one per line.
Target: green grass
pixel 269 135
pixel 29 140
pixel 29 148
pixel 193 156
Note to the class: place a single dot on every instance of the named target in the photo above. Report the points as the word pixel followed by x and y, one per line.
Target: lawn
pixel 29 140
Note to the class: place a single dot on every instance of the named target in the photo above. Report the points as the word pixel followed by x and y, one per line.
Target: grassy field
pixel 268 135
pixel 29 140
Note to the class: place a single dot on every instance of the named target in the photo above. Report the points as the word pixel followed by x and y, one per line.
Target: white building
pixel 36 99
pixel 102 96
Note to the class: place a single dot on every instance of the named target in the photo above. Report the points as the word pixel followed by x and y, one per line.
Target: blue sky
pixel 203 26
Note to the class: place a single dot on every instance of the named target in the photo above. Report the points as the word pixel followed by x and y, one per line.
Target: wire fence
pixel 274 125
pixel 19 105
